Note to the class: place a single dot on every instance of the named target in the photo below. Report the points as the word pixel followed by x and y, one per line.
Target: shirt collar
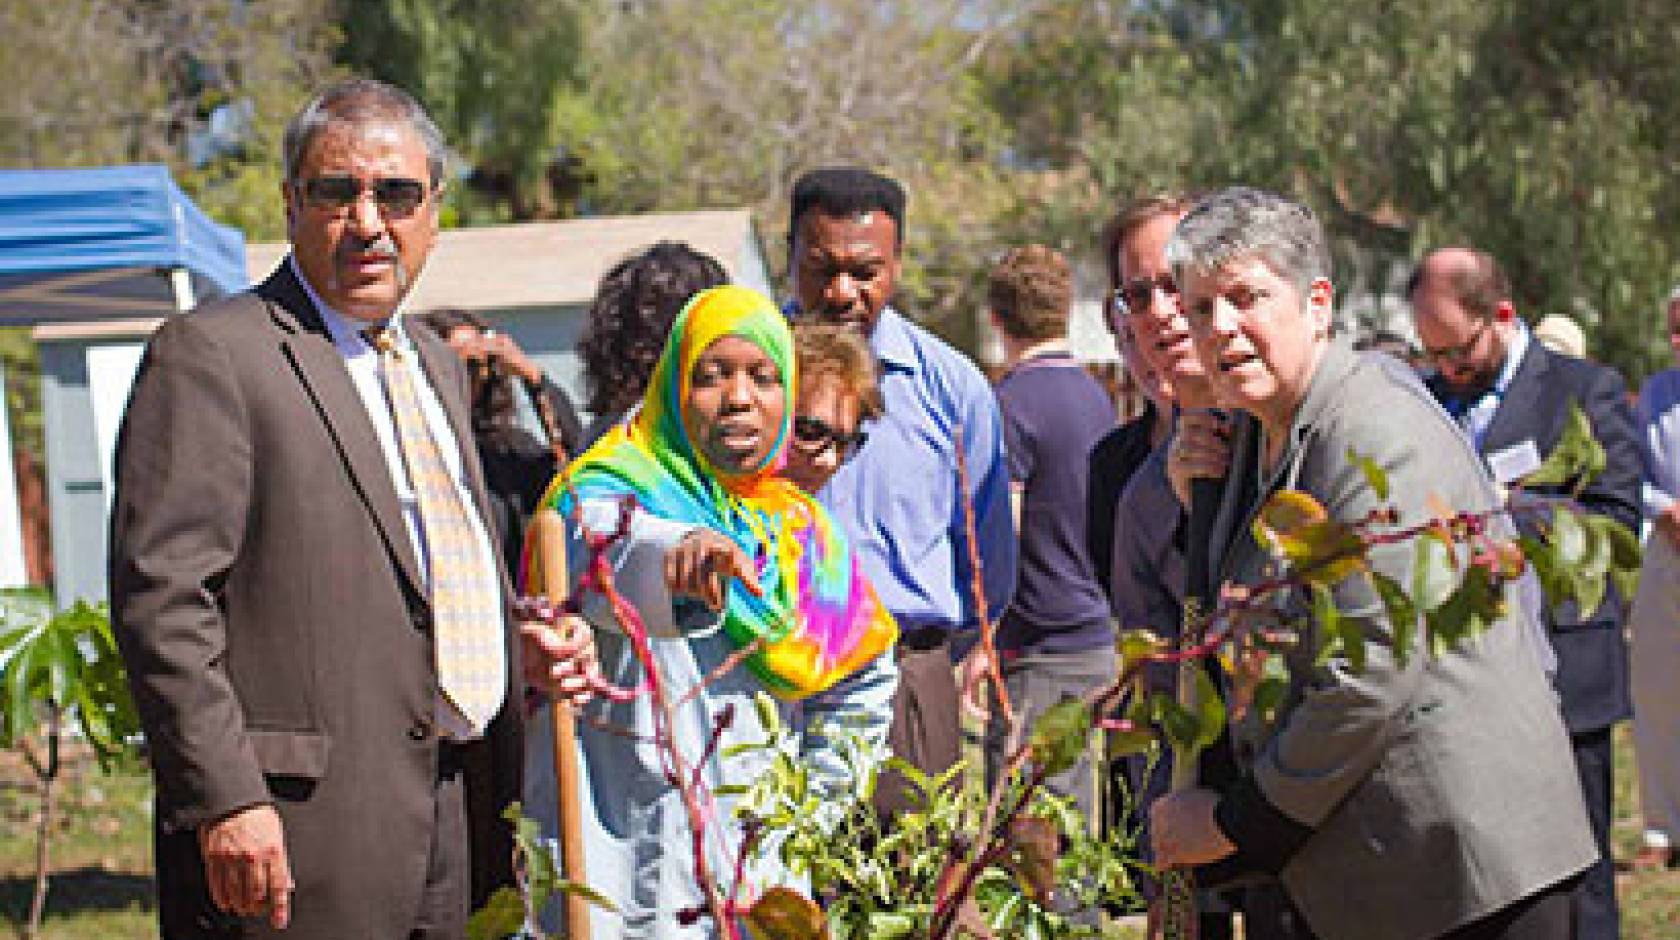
pixel 1513 359
pixel 346 332
pixel 891 340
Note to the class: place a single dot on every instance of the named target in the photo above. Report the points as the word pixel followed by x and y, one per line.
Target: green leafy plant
pixel 1011 862
pixel 510 910
pixel 956 865
pixel 59 670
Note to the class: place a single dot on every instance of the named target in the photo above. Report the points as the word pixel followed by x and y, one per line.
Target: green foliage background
pixel 1538 129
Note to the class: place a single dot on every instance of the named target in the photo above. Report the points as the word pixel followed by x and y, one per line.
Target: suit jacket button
pixel 420 731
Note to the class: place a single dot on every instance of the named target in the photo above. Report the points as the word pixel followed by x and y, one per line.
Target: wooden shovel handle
pixel 549 579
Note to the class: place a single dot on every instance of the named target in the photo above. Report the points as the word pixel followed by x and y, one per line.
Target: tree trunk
pixel 49 794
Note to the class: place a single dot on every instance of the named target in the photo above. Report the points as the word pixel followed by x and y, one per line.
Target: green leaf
pixel 1269 697
pixel 1434 571
pixel 1118 744
pixel 20 680
pixel 563 887
pixel 1060 734
pixel 1402 615
pixel 891 925
pixel 1575 458
pixel 501 916
pixel 784 914
pixel 1543 560
pixel 1283 515
pixel 1589 590
pixel 769 716
pixel 1327 619
pixel 1180 725
pixel 1375 475
pixel 1135 645
pixel 1568 538
pixel 1210 711
pixel 1467 612
pixel 1295 525
pixel 1625 550
pixel 1351 639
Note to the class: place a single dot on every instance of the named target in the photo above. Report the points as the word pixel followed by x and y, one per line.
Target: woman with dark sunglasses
pixel 837 394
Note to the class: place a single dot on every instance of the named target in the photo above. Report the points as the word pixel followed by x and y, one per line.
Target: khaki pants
pixel 1655 623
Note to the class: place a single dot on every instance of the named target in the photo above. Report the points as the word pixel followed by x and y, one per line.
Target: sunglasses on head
pixel 396 196
pixel 1137 294
pixel 816 436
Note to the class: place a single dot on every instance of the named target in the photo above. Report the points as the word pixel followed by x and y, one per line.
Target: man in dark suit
pixel 1512 396
pixel 310 605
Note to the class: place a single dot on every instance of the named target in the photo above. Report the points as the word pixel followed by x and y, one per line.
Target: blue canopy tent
pixel 108 243
pixel 92 260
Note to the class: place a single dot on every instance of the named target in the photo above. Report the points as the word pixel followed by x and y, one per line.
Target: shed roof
pixel 546 264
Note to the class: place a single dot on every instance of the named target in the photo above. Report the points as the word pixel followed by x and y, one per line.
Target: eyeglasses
pixel 1460 352
pixel 1137 294
pixel 398 197
pixel 813 436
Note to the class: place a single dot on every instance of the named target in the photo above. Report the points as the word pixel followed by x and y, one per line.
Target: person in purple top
pixel 1057 637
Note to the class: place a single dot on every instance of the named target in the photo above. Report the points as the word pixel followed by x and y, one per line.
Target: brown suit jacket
pixel 269 607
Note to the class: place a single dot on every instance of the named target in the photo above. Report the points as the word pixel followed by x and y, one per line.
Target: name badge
pixel 1514 462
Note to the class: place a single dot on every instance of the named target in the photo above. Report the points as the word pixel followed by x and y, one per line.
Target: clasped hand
pixel 1184 831
pixel 1200 447
pixel 560 659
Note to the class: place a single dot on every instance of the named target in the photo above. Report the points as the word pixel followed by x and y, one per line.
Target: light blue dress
pixel 638 844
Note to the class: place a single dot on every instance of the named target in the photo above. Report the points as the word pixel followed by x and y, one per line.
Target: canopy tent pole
pixel 180 284
pixel 13 571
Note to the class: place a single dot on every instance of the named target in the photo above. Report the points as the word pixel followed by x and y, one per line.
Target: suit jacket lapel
pixel 320 368
pixel 1506 428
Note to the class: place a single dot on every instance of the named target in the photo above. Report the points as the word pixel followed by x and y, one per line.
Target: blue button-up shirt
pixel 898 496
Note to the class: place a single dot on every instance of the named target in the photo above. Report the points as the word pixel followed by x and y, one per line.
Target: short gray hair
pixel 1239 223
pixel 358 102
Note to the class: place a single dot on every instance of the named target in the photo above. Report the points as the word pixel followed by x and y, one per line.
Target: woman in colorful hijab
pixel 719 555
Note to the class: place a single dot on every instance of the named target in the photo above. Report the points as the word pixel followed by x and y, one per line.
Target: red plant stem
pixel 724 668
pixel 598 577
pixel 994 846
pixel 676 768
pixel 1219 627
pixel 988 629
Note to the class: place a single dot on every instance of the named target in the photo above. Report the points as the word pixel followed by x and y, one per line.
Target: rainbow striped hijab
pixel 819 618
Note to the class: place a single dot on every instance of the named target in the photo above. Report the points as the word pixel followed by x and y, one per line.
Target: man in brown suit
pixel 283 578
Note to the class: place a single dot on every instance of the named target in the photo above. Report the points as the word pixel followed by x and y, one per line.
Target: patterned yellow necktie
pixel 466 604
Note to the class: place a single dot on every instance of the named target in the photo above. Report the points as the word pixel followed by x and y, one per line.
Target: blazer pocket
pixel 300 754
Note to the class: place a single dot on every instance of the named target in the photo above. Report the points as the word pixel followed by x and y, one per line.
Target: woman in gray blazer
pixel 1399 802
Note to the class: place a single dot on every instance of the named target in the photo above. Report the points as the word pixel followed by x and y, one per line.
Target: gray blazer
pixel 270 611
pixel 1397 803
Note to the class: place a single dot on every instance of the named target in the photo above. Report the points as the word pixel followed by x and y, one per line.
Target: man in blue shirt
pixel 899 497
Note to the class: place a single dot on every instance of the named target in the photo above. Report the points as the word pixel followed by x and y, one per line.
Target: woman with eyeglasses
pixel 745 585
pixel 1417 795
pixel 838 393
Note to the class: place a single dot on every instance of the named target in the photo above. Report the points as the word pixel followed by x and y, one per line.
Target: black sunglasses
pixel 1137 294
pixel 1460 352
pixel 397 196
pixel 815 436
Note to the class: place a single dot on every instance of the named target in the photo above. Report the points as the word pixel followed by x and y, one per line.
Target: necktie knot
pixel 382 338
